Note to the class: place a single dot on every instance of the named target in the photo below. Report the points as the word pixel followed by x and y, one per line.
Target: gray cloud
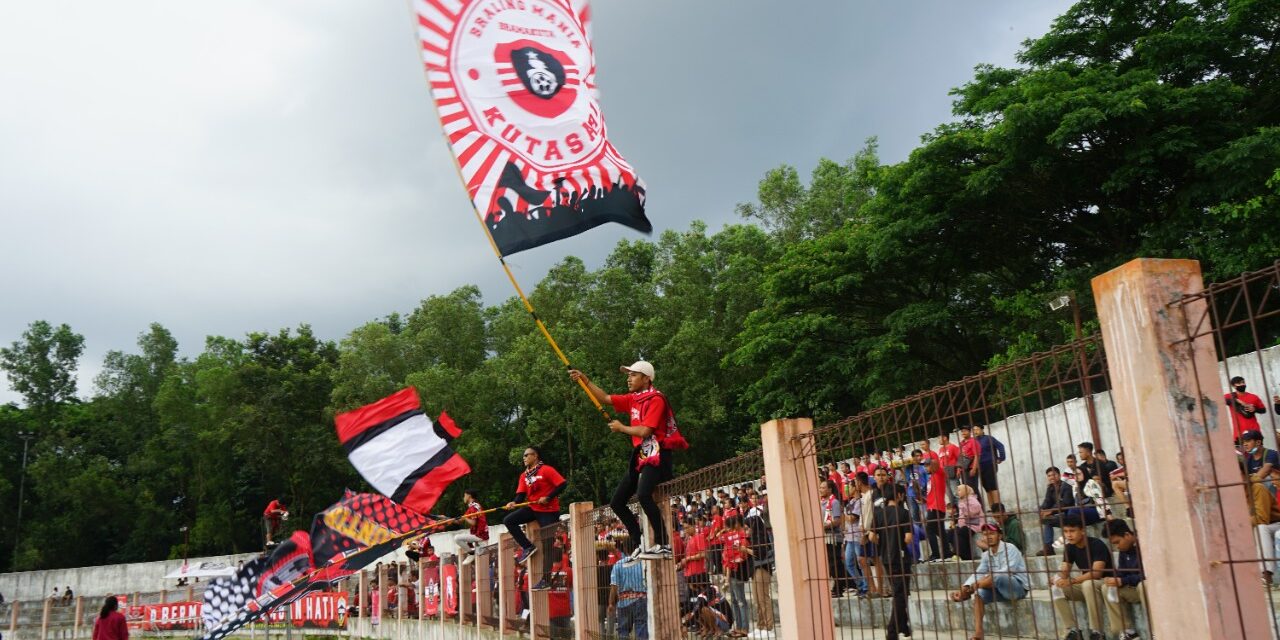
pixel 252 165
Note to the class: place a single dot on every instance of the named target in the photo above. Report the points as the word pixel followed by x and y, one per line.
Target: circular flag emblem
pixel 521 69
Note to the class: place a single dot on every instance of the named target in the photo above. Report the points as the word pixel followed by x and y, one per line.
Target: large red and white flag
pixel 398 450
pixel 514 84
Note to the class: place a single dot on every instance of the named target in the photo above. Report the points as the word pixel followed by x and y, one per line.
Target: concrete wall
pixel 102 580
pixel 1036 440
pixel 148 577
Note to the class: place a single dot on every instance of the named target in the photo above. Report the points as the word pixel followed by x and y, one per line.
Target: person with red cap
pixel 654 437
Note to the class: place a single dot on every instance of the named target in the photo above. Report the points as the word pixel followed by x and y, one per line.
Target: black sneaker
pixel 1073 634
pixel 1096 635
pixel 541 586
pixel 1129 635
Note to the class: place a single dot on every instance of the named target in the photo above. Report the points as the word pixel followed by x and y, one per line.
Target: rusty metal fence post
pixel 791 467
pixel 1166 393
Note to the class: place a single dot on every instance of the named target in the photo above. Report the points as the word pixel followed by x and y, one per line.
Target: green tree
pixel 42 366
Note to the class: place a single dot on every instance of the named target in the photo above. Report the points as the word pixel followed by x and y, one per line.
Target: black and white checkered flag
pixel 226 597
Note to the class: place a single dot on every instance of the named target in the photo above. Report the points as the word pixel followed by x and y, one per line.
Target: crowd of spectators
pixel 886 512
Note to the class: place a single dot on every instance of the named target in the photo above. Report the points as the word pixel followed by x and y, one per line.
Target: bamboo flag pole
pixel 528 306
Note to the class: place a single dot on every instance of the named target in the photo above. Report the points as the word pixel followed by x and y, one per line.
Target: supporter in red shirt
pixel 478 527
pixel 110 623
pixel 837 479
pixel 949 456
pixel 272 517
pixel 926 452
pixel 539 484
pixel 936 512
pixel 694 564
pixel 969 454
pixel 1244 408
pixel 653 438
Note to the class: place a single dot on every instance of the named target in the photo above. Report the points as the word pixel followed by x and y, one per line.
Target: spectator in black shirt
pixel 893 535
pixel 1126 587
pixel 1092 561
pixel 1057 499
pixel 1091 467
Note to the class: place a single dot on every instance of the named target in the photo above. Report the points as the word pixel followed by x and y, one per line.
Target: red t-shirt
pixel 646 408
pixel 1241 423
pixel 948 455
pixel 930 455
pixel 936 498
pixel 112 627
pixel 970 449
pixel 835 479
pixel 274 506
pixel 733 556
pixel 717 523
pixel 537 483
pixel 481 528
pixel 696 544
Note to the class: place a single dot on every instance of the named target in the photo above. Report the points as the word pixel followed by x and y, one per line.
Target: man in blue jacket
pixel 1126 586
pixel 990 454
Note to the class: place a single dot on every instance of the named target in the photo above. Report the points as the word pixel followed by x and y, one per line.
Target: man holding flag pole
pixel 653 437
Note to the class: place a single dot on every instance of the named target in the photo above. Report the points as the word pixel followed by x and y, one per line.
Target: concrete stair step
pixel 931 609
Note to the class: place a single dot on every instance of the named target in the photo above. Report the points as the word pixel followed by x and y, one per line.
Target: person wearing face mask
pixel 1261 463
pixel 1245 408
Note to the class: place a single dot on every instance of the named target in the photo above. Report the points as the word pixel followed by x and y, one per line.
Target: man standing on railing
pixel 653 438
pixel 272 516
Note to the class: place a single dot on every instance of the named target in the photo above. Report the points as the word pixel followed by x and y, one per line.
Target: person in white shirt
pixel 1001 576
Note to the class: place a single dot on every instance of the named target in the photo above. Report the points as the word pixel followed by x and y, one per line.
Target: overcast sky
pixel 250 165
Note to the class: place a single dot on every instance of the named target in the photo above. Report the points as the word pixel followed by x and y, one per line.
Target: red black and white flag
pixel 515 86
pixel 400 451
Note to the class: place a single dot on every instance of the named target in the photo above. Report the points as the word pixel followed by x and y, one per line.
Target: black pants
pixel 939 541
pixel 544 519
pixel 641 484
pixel 964 543
pixel 835 565
pixel 899 617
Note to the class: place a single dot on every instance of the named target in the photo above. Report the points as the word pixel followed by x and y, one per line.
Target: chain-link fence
pixel 983 506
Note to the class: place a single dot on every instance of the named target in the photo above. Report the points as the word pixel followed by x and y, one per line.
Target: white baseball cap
pixel 639 367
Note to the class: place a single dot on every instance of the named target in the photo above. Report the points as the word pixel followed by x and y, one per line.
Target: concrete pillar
pixel 660 580
pixel 14 610
pixel 164 596
pixel 362 595
pixel 804 604
pixel 75 625
pixel 191 593
pixel 44 619
pixel 1168 405
pixel 381 589
pixel 506 583
pixel 484 590
pixel 582 553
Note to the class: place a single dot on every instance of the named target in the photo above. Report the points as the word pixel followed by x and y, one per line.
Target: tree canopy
pixel 1132 128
